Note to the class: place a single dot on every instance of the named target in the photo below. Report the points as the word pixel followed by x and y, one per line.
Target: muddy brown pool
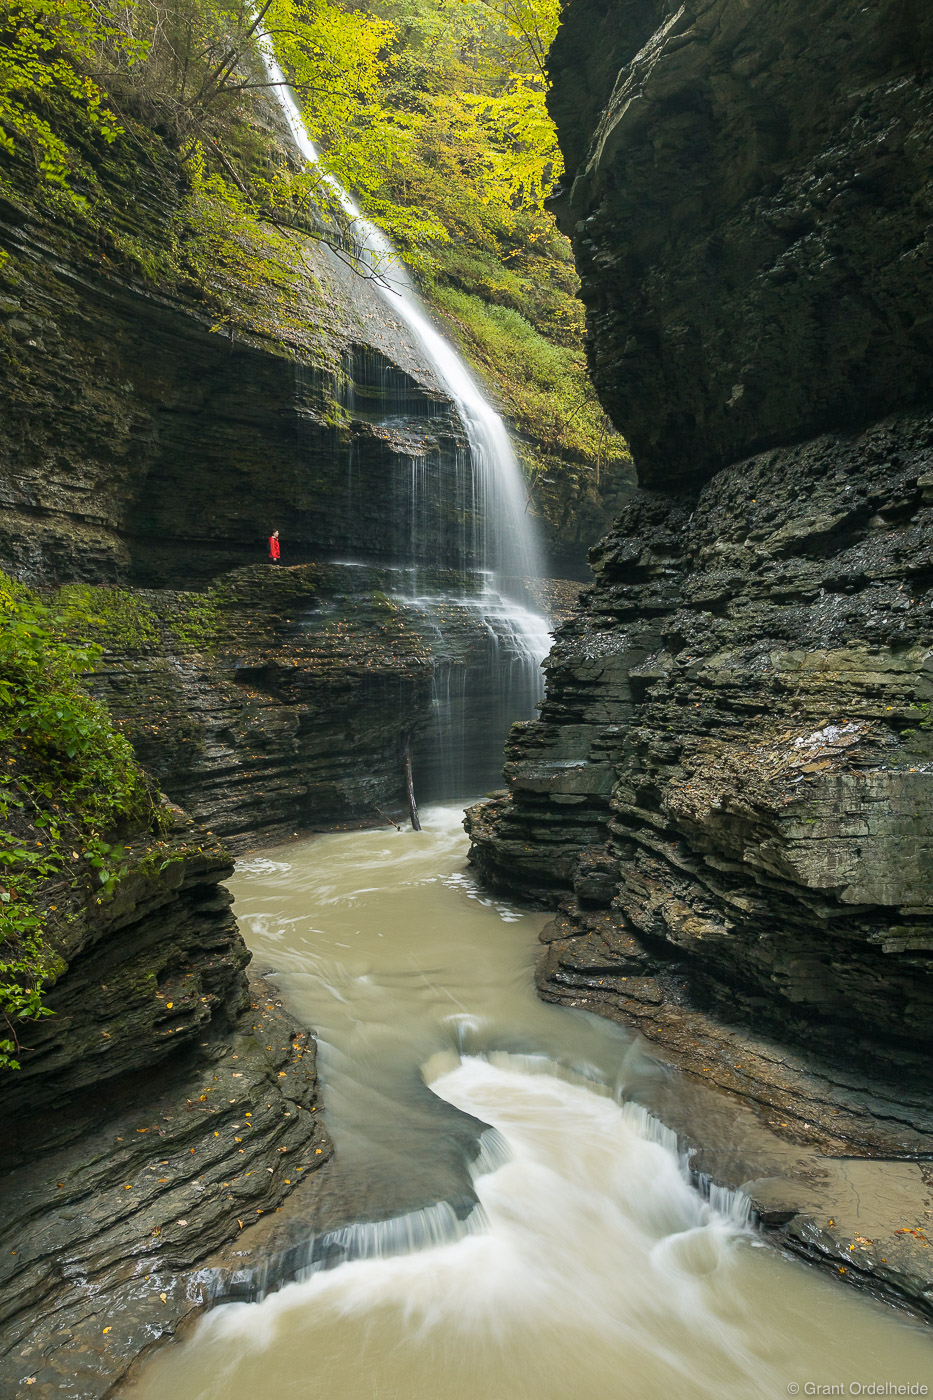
pixel 589 1265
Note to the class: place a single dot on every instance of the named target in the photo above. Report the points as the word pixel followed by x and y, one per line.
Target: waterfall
pixel 477 696
pixel 509 544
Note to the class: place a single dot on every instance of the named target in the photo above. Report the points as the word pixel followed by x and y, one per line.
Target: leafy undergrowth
pixel 69 786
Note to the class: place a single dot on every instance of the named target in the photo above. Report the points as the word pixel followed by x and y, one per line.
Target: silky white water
pixel 589 1266
pixel 507 541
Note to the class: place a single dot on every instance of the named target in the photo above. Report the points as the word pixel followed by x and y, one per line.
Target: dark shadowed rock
pixel 748 193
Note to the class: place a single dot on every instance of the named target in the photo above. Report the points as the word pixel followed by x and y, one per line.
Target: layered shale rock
pixel 143 446
pixel 167 1103
pixel 729 794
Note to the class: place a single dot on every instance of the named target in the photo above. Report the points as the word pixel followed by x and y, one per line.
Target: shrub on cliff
pixel 68 782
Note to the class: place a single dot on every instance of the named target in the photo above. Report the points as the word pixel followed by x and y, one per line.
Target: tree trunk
pixel 412 804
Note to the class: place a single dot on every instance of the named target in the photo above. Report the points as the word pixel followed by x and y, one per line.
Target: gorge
pixel 725 805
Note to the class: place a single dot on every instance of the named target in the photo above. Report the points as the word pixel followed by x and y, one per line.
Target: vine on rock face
pixel 67 782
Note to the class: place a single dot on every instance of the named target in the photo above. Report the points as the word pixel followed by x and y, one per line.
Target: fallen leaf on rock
pixel 163 1296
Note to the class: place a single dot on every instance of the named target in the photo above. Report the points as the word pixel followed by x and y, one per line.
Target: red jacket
pixel 274 550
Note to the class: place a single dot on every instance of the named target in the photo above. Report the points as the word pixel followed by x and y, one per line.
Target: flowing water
pixel 506 538
pixel 574 1257
pixel 500 680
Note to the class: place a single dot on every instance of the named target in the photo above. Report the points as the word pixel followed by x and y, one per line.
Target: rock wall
pixel 144 445
pixel 730 790
pixel 167 1103
pixel 282 699
pixel 749 198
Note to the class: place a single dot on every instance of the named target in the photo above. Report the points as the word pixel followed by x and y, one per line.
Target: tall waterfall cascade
pixel 476 699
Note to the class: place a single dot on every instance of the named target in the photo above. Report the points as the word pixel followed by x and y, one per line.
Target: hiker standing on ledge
pixel 274 549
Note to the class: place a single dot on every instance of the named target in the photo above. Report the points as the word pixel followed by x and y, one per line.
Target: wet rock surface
pixel 141 445
pixel 114 1197
pixel 742 713
pixel 281 699
pixel 836 1162
pixel 729 794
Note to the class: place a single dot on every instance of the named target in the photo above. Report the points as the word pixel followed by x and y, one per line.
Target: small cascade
pixel 488 674
pixel 444 1222
pixel 476 696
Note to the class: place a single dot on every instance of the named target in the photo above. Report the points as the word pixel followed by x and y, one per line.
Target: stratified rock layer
pixel 729 794
pixel 165 1105
pixel 742 710
pixel 140 445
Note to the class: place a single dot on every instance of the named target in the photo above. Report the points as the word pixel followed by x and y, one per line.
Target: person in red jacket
pixel 274 550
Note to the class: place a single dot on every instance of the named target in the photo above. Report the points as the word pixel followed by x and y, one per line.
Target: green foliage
pixel 431 112
pixel 46 49
pixel 443 116
pixel 67 782
pixel 542 386
pixel 227 245
pixel 196 622
pixel 111 616
pixel 426 106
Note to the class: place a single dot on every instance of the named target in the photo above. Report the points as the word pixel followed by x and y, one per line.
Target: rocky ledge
pixel 729 798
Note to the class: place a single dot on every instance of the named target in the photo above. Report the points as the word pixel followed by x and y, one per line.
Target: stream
pixel 547 1241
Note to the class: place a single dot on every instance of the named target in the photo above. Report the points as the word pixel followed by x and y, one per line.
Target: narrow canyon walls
pixel 729 793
